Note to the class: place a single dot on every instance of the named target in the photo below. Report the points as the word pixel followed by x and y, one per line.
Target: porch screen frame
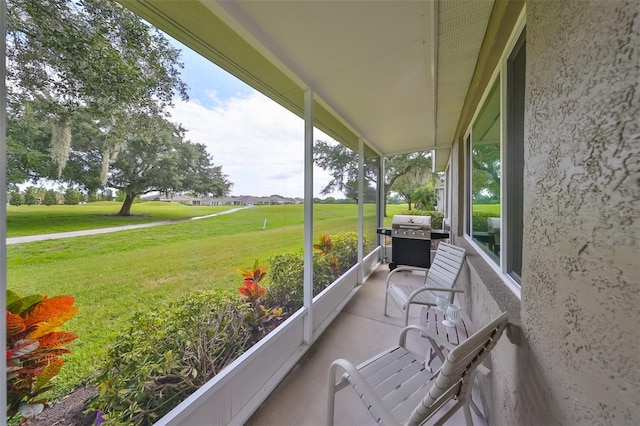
pixel 3 192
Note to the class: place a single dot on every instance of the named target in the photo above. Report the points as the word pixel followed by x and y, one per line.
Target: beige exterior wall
pixel 572 352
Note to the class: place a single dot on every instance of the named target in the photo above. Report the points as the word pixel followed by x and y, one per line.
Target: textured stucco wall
pixel 581 289
pixel 517 392
pixel 573 352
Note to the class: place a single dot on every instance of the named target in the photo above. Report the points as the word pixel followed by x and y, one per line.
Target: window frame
pixel 501 72
pixel 513 148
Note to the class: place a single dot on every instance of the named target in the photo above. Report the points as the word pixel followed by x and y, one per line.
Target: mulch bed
pixel 69 410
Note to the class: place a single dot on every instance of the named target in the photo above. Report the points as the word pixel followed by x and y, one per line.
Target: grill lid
pixel 401 221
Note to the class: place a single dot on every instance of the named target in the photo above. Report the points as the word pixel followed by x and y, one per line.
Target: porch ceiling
pixel 393 72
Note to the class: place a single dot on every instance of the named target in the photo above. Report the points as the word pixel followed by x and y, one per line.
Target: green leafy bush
pixel 50 198
pixel 323 276
pixel 479 218
pixel 167 354
pixel 345 250
pixel 286 279
pixel 30 196
pixel 72 197
pixel 479 223
pixel 436 216
pixel 15 198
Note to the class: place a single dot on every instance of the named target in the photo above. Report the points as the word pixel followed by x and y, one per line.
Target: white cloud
pixel 258 143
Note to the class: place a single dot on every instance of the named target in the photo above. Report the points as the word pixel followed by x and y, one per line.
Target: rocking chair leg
pixel 475 408
pixel 467 414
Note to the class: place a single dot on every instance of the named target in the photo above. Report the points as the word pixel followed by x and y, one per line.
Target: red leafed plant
pixel 34 348
pixel 253 275
pixel 324 245
pixel 251 289
pixel 253 292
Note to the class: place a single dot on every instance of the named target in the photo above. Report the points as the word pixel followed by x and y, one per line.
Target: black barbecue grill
pixel 411 240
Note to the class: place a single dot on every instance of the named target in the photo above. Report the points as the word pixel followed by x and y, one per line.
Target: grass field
pixel 487 209
pixel 113 276
pixel 35 220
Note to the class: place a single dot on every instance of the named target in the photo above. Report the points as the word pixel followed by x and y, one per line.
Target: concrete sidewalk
pixel 42 237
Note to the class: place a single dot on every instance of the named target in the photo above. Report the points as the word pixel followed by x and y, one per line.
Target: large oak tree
pixel 89 84
pixel 154 156
pixel 342 163
pixel 157 158
pixel 89 55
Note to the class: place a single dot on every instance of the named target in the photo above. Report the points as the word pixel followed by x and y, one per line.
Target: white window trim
pixel 500 71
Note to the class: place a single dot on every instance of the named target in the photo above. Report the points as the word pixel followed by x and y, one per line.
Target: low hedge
pixel 479 219
pixel 286 272
pixel 167 354
pixel 344 251
pixel 436 216
pixel 286 276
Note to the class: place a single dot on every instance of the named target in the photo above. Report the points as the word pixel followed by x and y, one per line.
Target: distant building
pixel 242 200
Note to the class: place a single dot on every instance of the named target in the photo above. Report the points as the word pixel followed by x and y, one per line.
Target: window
pixel 515 157
pixel 494 166
pixel 485 175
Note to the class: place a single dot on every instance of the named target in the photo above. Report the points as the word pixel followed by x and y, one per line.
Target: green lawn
pixel 112 276
pixel 393 209
pixel 487 209
pixel 35 220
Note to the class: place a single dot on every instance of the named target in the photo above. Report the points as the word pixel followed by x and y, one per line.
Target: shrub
pixel 30 196
pixel 479 219
pixel 15 198
pixel 166 354
pixel 345 250
pixel 436 216
pixel 72 197
pixel 34 348
pixel 287 276
pixel 425 197
pixel 323 276
pixel 50 198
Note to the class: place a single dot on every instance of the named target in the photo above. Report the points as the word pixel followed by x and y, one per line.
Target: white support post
pixel 381 201
pixel 3 195
pixel 360 208
pixel 308 215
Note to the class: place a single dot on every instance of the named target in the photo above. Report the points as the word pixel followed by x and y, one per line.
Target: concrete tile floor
pixel 359 332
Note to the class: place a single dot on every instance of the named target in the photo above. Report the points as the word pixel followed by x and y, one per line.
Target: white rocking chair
pixel 397 389
pixel 440 277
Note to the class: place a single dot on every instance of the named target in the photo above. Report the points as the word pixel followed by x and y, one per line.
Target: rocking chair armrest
pixel 359 381
pixel 403 334
pixel 422 289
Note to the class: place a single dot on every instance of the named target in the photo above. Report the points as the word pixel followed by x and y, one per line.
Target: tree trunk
pixel 125 210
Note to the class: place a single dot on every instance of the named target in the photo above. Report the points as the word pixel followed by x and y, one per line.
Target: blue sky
pixel 258 143
pixel 202 76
